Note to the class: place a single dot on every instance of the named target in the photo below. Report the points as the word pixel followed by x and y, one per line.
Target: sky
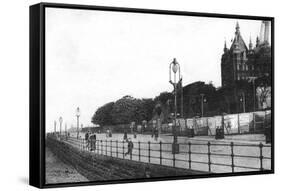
pixel 95 57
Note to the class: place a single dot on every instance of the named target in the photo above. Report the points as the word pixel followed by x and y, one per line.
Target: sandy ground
pixel 59 172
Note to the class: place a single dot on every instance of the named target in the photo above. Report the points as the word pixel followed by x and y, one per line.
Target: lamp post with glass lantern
pixel 78 115
pixel 55 127
pixel 65 130
pixel 175 69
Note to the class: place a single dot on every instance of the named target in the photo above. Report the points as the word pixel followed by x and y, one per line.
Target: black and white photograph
pixel 144 95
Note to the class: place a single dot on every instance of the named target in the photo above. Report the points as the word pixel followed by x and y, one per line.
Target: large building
pixel 242 62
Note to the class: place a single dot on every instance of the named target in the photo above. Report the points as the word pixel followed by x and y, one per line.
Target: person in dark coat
pixel 125 136
pixel 156 134
pixel 86 139
pixel 92 140
pixel 130 147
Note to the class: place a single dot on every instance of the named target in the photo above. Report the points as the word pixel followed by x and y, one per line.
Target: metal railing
pixel 207 156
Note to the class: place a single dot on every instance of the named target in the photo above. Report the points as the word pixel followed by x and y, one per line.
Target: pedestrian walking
pixel 130 147
pixel 86 138
pixel 92 141
pixel 125 137
pixel 87 135
pixel 156 134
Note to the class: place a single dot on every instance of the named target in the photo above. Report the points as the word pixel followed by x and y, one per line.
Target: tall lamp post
pixel 55 127
pixel 78 115
pixel 60 120
pixel 65 130
pixel 175 69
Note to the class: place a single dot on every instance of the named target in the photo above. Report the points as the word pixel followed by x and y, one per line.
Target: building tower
pixel 233 62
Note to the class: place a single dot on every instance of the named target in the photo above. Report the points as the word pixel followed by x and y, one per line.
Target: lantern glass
pixel 175 67
pixel 78 111
pixel 60 119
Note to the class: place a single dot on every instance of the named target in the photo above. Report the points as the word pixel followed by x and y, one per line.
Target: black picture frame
pixel 37 92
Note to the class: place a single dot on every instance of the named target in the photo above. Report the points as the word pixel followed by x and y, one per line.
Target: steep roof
pixel 238 43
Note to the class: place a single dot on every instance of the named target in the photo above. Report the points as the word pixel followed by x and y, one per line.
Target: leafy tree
pixel 164 97
pixel 103 115
pixel 123 111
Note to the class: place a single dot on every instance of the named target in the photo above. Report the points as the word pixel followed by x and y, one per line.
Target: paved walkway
pixel 220 149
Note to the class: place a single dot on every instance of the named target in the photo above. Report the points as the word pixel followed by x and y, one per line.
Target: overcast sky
pixel 94 57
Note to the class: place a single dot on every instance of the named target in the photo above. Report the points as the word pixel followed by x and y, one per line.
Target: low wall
pixel 98 167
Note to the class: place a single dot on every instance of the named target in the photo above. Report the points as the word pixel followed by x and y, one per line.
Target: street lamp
pixel 55 127
pixel 60 120
pixel 65 129
pixel 78 115
pixel 175 69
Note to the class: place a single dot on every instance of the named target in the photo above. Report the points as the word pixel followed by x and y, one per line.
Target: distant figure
pixel 156 134
pixel 130 147
pixel 135 134
pixel 92 141
pixel 125 136
pixel 87 136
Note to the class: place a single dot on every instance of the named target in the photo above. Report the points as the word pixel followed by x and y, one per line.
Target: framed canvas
pixel 123 95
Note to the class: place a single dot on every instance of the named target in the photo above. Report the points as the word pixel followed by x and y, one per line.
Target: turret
pixel 257 42
pixel 225 47
pixel 250 44
pixel 237 32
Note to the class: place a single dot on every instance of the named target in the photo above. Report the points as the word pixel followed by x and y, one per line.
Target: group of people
pixel 91 139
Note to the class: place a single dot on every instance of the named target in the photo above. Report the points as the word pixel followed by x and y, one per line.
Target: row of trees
pixel 216 100
pixel 124 111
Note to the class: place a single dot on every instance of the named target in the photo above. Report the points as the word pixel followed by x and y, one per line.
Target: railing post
pixel 116 148
pixel 131 153
pixel 111 148
pixel 139 152
pixel 261 156
pixel 209 156
pixel 84 146
pixel 123 150
pixel 101 146
pixel 160 145
pixel 148 151
pixel 98 146
pixel 105 147
pixel 189 155
pixel 174 155
pixel 232 156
